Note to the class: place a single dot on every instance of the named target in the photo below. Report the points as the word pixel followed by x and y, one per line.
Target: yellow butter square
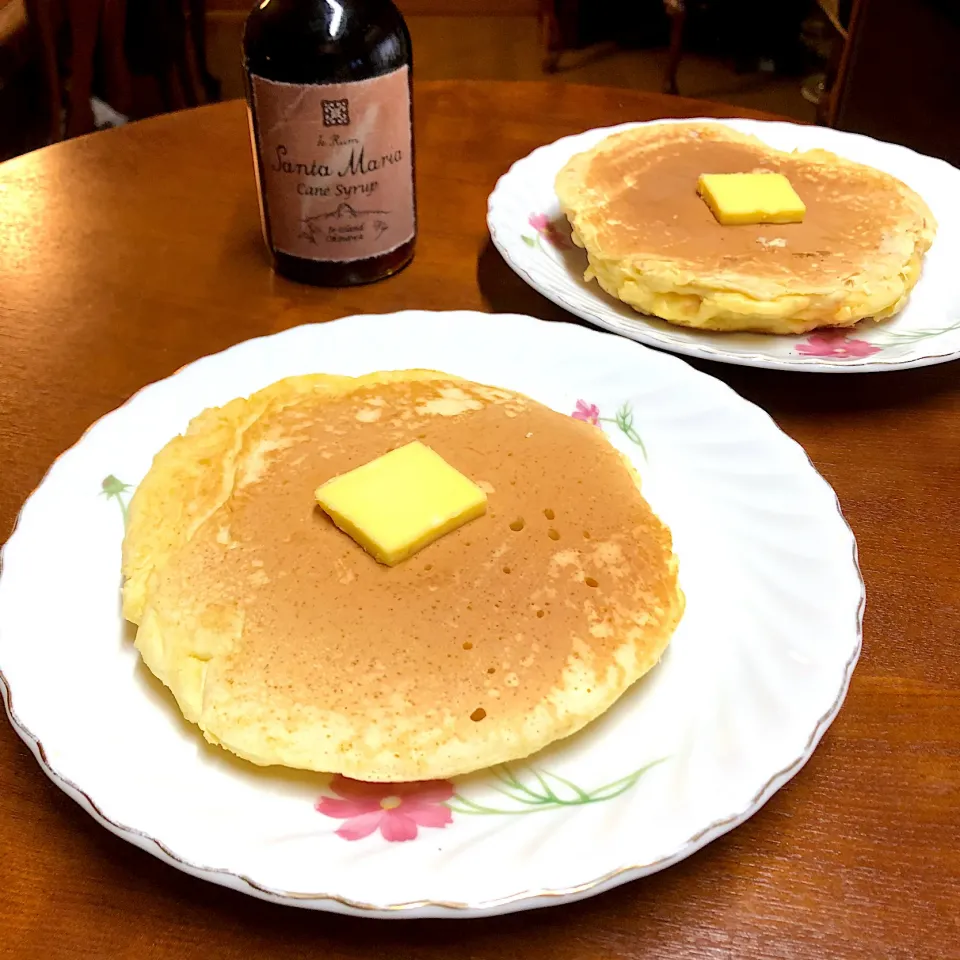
pixel 395 505
pixel 739 198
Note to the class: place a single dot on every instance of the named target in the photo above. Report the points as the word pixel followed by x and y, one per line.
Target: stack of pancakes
pixel 652 242
pixel 288 644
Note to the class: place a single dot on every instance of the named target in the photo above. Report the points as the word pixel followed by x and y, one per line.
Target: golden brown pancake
pixel 652 242
pixel 289 644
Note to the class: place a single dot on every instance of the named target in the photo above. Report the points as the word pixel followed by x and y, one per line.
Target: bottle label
pixel 336 165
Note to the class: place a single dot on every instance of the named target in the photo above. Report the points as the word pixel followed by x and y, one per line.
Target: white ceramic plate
pixel 534 238
pixel 756 671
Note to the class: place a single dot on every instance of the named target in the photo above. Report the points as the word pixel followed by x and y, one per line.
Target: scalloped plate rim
pixel 428 908
pixel 648 335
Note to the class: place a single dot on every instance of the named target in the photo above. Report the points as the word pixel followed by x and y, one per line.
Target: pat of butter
pixel 738 198
pixel 395 505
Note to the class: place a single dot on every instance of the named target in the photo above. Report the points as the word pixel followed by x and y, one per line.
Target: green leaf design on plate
pixel 544 791
pixel 891 337
pixel 624 420
pixel 530 241
pixel 114 489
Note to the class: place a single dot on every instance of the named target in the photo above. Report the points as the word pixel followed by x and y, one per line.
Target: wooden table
pixel 127 254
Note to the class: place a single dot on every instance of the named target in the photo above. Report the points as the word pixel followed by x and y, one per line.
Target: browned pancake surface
pixel 509 632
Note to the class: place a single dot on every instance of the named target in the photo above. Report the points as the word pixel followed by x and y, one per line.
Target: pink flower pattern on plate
pixel 548 230
pixel 836 344
pixel 588 412
pixel 397 810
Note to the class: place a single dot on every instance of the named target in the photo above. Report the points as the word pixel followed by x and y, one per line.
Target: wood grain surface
pixel 127 254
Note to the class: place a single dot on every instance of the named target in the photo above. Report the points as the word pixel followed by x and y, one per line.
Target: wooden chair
pixel 558 20
pixel 13 33
pixel 68 68
pixel 166 39
pixel 18 130
pixel 99 28
pixel 677 12
pixel 899 75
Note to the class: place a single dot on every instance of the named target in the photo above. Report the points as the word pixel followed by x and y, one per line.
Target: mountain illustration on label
pixel 315 228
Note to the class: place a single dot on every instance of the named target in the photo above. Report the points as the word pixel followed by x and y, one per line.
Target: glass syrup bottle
pixel 329 101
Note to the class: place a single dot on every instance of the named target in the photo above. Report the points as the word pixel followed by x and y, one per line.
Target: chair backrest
pixel 69 35
pixel 900 75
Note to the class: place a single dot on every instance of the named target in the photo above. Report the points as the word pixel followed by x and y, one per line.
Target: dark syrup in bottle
pixel 329 99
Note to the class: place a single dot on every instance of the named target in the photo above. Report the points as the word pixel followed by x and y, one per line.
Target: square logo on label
pixel 336 113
